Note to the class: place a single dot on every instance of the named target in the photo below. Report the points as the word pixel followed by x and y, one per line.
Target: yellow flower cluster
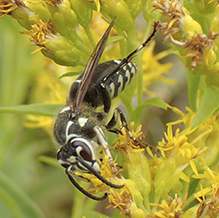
pixel 172 167
pixel 180 28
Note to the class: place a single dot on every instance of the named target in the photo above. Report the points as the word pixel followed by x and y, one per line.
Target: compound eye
pixel 83 149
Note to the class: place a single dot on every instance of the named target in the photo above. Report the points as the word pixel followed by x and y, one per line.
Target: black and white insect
pixel 79 128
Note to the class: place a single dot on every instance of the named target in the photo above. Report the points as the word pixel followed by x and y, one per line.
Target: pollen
pixel 53 2
pixel 125 142
pixel 41 33
pixel 197 46
pixel 209 207
pixel 106 172
pixel 121 201
pixel 168 208
pixel 181 29
pixel 6 6
pixel 173 11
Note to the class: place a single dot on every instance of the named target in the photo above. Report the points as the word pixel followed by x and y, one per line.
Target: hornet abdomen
pixel 108 81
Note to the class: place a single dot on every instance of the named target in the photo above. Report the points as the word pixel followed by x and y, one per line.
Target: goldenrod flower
pixel 181 29
pixel 119 9
pixel 123 199
pixel 18 10
pixel 53 45
pixel 210 207
pixel 7 6
pixel 169 208
pixel 83 11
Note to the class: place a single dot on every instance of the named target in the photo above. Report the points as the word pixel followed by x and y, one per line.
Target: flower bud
pixel 135 6
pixel 83 11
pixel 215 21
pixel 189 25
pixel 167 173
pixel 18 10
pixel 209 56
pixel 139 173
pixel 40 9
pixel 149 13
pixel 212 77
pixel 206 6
pixel 53 45
pixel 120 10
pixel 62 52
pixel 64 19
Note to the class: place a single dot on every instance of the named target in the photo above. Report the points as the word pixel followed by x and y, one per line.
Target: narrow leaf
pixel 23 203
pixel 157 102
pixel 70 74
pixel 114 39
pixel 34 109
pixel 208 104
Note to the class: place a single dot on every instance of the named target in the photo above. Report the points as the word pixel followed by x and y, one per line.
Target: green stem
pixel 122 44
pixel 89 35
pixel 79 44
pixel 127 102
pixel 140 72
pixel 16 199
pixel 78 204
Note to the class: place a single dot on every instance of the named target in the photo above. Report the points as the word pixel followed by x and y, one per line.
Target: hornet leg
pixel 118 113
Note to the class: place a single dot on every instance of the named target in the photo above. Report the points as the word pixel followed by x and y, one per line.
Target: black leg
pixel 97 174
pixel 114 120
pixel 106 97
pixel 123 121
pixel 83 190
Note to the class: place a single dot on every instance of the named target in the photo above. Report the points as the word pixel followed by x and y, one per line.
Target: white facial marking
pixel 82 121
pixel 71 159
pixel 67 128
pixel 69 136
pixel 62 162
pixel 78 149
pixel 96 166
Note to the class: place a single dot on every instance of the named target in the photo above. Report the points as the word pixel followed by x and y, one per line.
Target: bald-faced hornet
pixel 79 129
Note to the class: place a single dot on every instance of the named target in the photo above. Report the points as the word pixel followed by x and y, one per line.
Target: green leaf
pixel 208 104
pixel 16 200
pixel 11 204
pixel 49 160
pixel 50 110
pixel 157 102
pixel 114 39
pixel 70 74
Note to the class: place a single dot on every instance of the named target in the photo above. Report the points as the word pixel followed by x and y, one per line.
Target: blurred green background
pixel 27 185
